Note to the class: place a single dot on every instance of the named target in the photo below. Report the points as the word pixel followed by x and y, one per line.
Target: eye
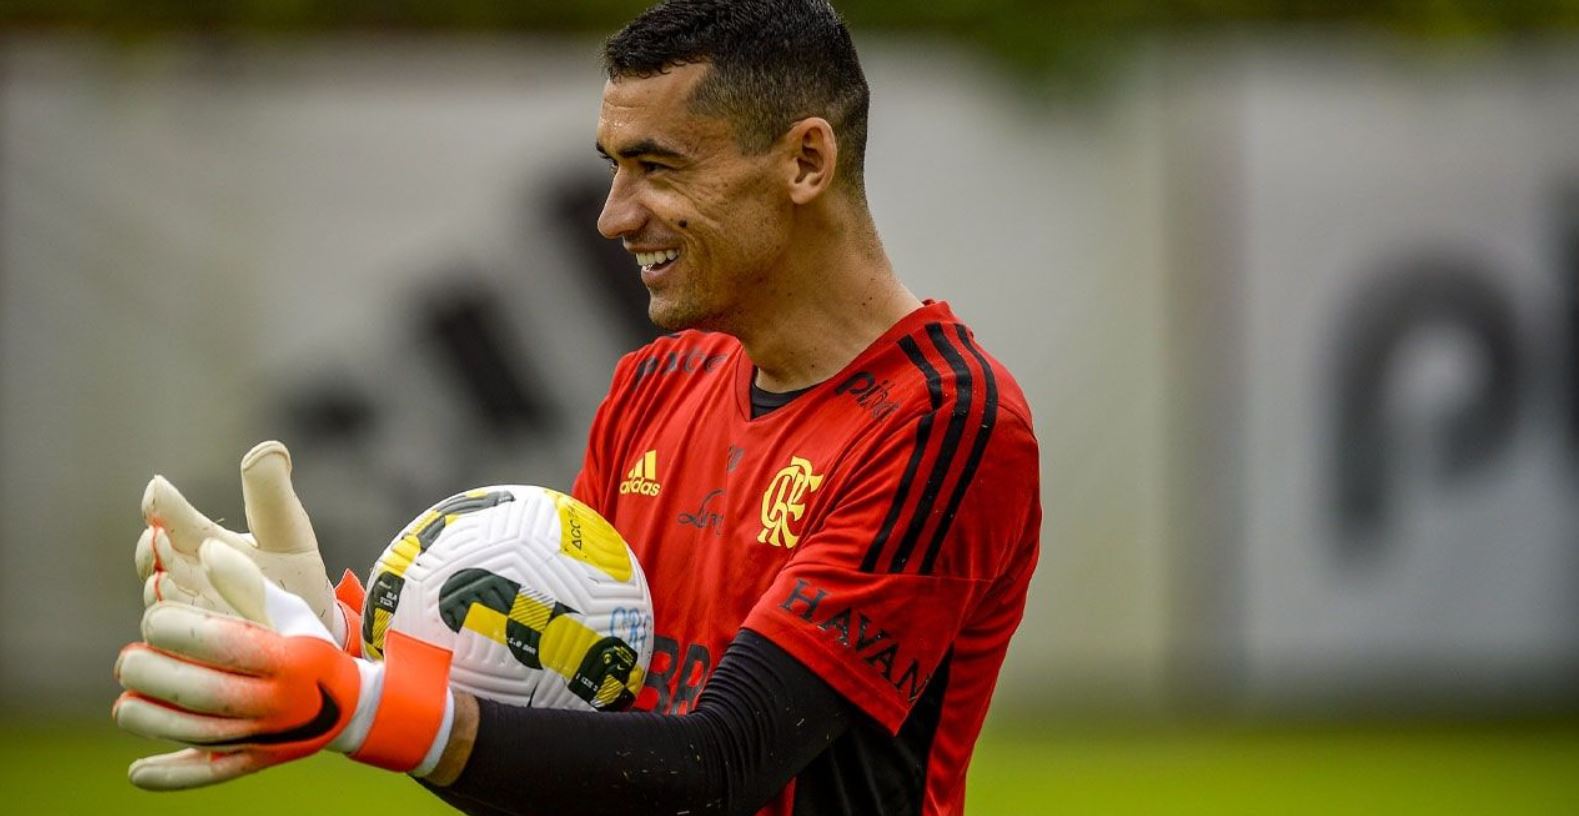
pixel 652 167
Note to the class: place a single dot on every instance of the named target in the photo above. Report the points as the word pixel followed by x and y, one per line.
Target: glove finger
pixel 192 768
pixel 175 576
pixel 190 687
pixel 240 582
pixel 161 586
pixel 186 570
pixel 143 556
pixel 146 717
pixel 211 638
pixel 275 515
pixel 164 506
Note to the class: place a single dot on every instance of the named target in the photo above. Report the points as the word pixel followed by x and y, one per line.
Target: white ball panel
pixel 520 541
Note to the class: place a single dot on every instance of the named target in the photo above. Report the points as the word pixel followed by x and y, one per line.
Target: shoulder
pixel 941 411
pixel 938 369
pixel 948 480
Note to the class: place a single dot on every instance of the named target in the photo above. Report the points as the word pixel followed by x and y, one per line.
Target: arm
pixel 761 719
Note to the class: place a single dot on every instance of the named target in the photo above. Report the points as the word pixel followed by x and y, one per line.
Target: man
pixel 831 487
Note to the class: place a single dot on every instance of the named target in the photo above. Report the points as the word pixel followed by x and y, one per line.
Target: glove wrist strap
pixel 351 644
pixel 413 705
pixel 441 740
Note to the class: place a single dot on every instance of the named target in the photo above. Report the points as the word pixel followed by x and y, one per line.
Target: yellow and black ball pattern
pixel 537 595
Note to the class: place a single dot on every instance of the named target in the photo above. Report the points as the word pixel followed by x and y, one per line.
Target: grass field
pixel 48 769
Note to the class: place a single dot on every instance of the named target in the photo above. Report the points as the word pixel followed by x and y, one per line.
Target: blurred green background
pixel 60 767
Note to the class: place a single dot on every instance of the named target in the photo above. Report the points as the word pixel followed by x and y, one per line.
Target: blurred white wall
pixel 1396 233
pixel 202 246
pixel 188 231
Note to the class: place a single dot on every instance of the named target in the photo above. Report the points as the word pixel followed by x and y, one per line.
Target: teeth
pixel 655 258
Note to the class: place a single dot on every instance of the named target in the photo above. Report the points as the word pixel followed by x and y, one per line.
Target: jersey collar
pixel 930 311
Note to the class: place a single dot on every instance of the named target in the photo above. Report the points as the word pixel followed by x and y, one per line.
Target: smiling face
pixel 707 223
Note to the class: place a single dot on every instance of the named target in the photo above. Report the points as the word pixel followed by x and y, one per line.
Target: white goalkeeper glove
pixel 272 686
pixel 281 543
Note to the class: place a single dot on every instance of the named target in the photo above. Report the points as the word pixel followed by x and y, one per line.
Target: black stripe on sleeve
pixel 923 431
pixel 963 385
pixel 989 418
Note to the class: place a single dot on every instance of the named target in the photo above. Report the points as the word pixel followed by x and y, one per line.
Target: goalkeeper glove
pixel 272 686
pixel 282 544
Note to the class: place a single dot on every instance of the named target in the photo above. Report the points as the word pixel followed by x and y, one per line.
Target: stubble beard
pixel 702 304
pixel 680 308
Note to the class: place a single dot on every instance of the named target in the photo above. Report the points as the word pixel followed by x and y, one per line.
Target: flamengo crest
pixel 784 502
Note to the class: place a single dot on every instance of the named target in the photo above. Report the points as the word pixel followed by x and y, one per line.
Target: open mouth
pixel 657 261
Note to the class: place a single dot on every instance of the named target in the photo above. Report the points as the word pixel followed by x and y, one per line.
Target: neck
pixel 825 310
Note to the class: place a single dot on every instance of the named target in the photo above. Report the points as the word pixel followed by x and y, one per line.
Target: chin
pixel 671 316
pixel 668 324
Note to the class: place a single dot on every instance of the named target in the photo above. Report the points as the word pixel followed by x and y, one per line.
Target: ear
pixel 814 153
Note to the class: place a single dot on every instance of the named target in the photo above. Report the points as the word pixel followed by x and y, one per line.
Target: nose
pixel 623 214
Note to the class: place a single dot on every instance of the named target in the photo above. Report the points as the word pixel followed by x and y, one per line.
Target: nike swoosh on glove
pixel 271 686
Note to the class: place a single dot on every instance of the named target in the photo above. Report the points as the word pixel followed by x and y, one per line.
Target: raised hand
pixel 269 684
pixel 281 542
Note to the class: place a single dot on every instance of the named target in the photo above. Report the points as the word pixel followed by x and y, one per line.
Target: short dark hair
pixel 773 63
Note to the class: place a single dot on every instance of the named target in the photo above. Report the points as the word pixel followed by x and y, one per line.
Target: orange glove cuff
pixel 350 596
pixel 350 592
pixel 411 706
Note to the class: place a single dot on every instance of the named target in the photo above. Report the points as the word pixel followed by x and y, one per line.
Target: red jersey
pixel 881 528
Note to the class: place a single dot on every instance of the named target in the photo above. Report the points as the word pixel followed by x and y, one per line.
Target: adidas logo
pixel 643 477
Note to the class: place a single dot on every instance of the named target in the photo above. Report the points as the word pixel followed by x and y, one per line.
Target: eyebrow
pixel 645 147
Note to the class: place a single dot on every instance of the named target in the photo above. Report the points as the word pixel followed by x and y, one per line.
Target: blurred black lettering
pixel 491 368
pixel 611 272
pixel 1567 239
pixel 1424 294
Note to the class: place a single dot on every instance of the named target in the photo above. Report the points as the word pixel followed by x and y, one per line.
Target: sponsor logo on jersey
pixel 683 361
pixel 703 518
pixel 643 476
pixel 674 682
pixel 784 502
pixel 869 393
pixel 854 630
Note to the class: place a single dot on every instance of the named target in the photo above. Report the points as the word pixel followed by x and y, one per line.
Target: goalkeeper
pixel 832 489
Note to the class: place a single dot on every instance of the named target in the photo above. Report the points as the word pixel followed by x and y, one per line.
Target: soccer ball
pixel 541 599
